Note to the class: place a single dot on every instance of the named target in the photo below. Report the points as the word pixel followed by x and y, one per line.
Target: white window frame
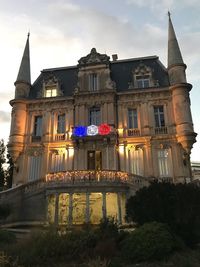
pixel 160 121
pixel 51 92
pixel 37 130
pixel 164 162
pixel 95 116
pixel 132 118
pixel 61 123
pixel 142 81
pixel 93 82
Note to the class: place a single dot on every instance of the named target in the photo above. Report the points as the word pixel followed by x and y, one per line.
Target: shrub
pixel 177 205
pixel 152 241
pixel 6 237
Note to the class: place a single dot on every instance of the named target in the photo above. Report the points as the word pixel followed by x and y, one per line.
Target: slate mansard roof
pixel 121 74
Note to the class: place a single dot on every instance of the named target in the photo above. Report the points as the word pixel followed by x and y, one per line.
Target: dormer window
pixel 50 88
pixel 142 77
pixel 50 92
pixel 93 82
pixel 142 81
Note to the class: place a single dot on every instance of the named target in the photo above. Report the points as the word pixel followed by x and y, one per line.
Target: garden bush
pixel 152 241
pixel 177 205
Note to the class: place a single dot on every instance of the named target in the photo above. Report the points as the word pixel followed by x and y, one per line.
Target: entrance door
pixel 94 160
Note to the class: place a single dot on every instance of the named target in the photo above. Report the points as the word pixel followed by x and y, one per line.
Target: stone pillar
pixel 56 210
pixel 119 208
pixel 87 210
pixel 104 205
pixel 70 218
pixel 148 161
pixel 125 158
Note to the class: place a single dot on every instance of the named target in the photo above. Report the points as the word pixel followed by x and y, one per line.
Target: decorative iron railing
pixel 94 176
pixel 60 137
pixel 161 130
pixel 133 132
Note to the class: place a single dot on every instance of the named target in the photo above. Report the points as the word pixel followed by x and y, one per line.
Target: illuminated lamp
pixel 92 130
pixel 80 131
pixel 104 129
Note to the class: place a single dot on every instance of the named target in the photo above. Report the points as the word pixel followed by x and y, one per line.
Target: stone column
pixel 70 218
pixel 56 210
pixel 119 208
pixel 104 205
pixel 87 210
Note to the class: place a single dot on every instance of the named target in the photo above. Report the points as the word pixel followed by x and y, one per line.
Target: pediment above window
pixel 142 77
pixel 93 58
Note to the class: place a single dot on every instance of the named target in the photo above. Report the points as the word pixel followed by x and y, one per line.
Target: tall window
pixel 61 124
pixel 37 131
pixel 164 162
pixel 132 118
pixel 57 162
pixel 50 92
pixel 94 116
pixel 34 167
pixel 142 81
pixel 93 82
pixel 136 161
pixel 159 116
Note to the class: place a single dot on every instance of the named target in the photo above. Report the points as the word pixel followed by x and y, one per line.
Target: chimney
pixel 115 57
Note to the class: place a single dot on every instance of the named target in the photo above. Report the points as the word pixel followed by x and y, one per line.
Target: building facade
pixel 84 138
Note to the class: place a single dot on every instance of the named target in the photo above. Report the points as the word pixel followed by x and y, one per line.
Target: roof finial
pixel 169 14
pixel 28 34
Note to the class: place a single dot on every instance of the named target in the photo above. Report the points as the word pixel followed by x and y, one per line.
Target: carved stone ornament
pixel 109 84
pixel 94 58
pixel 35 151
pixel 142 70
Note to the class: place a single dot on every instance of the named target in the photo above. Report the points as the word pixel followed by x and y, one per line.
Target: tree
pixel 177 205
pixel 2 162
pixel 9 171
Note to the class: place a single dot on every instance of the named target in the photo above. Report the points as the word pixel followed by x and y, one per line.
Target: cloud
pixel 4 116
pixel 162 6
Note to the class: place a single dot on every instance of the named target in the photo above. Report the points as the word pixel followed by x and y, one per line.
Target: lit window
pixel 136 161
pixel 159 116
pixel 132 118
pixel 142 81
pixel 51 92
pixel 93 82
pixel 94 116
pixel 61 124
pixel 37 131
pixel 164 164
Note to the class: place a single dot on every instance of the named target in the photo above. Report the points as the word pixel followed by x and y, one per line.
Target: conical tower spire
pixel 23 82
pixel 174 53
pixel 24 74
pixel 176 66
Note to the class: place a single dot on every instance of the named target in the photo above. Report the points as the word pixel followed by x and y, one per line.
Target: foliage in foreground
pixel 177 205
pixel 4 211
pixel 103 246
pixel 152 241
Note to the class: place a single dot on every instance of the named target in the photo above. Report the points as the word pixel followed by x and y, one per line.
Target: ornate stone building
pixel 84 138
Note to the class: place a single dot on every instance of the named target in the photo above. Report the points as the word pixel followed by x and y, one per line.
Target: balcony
pixel 161 130
pixel 60 137
pixel 133 132
pixel 95 177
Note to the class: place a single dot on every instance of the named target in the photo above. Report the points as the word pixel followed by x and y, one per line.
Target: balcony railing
pixel 85 176
pixel 60 137
pixel 133 132
pixel 161 130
